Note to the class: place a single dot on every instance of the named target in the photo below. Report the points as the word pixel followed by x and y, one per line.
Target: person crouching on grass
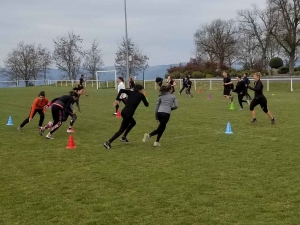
pixel 165 104
pixel 259 98
pixel 38 106
pixel 133 101
pixel 58 106
pixel 240 89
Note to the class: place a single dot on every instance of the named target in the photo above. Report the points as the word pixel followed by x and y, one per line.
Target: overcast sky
pixel 163 29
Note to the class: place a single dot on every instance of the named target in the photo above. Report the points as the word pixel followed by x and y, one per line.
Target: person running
pixel 80 84
pixel 131 83
pixel 128 122
pixel 184 84
pixel 227 83
pixel 73 115
pixel 159 81
pixel 171 82
pixel 38 106
pixel 247 82
pixel 121 86
pixel 58 106
pixel 165 104
pixel 189 86
pixel 240 89
pixel 259 99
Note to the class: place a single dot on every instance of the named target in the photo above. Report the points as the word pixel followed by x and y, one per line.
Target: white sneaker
pixel 49 136
pixel 156 144
pixel 19 128
pixel 146 137
pixel 241 109
pixel 114 113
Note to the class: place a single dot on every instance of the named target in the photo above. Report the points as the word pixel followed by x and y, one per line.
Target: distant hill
pixel 150 73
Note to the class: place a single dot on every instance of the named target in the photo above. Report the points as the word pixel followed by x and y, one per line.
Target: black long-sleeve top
pixel 240 88
pixel 64 102
pixel 133 101
pixel 258 89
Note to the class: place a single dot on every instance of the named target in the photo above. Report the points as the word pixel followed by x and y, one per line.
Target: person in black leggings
pixel 58 106
pixel 240 89
pixel 259 99
pixel 134 99
pixel 165 104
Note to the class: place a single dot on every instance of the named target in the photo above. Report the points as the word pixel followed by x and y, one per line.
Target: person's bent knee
pixel 265 109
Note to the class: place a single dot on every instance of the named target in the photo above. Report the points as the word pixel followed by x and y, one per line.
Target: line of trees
pixel 30 62
pixel 252 39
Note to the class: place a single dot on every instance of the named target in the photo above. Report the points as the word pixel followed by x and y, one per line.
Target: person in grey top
pixel 165 104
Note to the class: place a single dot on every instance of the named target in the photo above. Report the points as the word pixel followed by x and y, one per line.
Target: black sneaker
pixel 253 120
pixel 273 121
pixel 124 139
pixel 107 145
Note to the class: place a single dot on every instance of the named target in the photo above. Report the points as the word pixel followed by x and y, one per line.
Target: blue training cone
pixel 228 129
pixel 9 122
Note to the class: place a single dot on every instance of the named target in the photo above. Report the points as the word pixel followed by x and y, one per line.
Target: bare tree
pixel 93 60
pixel 287 30
pixel 25 63
pixel 46 61
pixel 68 55
pixel 138 62
pixel 259 24
pixel 248 50
pixel 217 39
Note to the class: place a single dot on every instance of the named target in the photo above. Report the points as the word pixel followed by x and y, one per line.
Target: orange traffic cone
pixel 71 143
pixel 199 91
pixel 118 114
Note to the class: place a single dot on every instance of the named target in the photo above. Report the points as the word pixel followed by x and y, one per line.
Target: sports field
pixel 198 176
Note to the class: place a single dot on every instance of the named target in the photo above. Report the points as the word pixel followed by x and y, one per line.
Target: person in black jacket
pixel 247 82
pixel 184 84
pixel 240 89
pixel 259 98
pixel 159 81
pixel 134 99
pixel 189 86
pixel 58 106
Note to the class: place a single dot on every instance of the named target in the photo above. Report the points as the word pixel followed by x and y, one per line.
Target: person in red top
pixel 39 106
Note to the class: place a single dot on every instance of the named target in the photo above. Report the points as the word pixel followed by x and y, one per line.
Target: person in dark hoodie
pixel 134 99
pixel 240 89
pixel 58 106
pixel 259 99
pixel 165 104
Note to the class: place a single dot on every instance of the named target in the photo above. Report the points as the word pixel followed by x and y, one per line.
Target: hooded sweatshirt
pixel 166 103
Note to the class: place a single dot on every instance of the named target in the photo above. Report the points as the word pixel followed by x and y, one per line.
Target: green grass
pixel 198 176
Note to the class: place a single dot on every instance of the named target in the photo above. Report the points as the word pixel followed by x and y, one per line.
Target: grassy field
pixel 198 176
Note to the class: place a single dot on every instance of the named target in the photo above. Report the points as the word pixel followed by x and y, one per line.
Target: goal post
pixel 106 72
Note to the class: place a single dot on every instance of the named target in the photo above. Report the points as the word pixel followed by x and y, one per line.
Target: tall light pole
pixel 126 34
